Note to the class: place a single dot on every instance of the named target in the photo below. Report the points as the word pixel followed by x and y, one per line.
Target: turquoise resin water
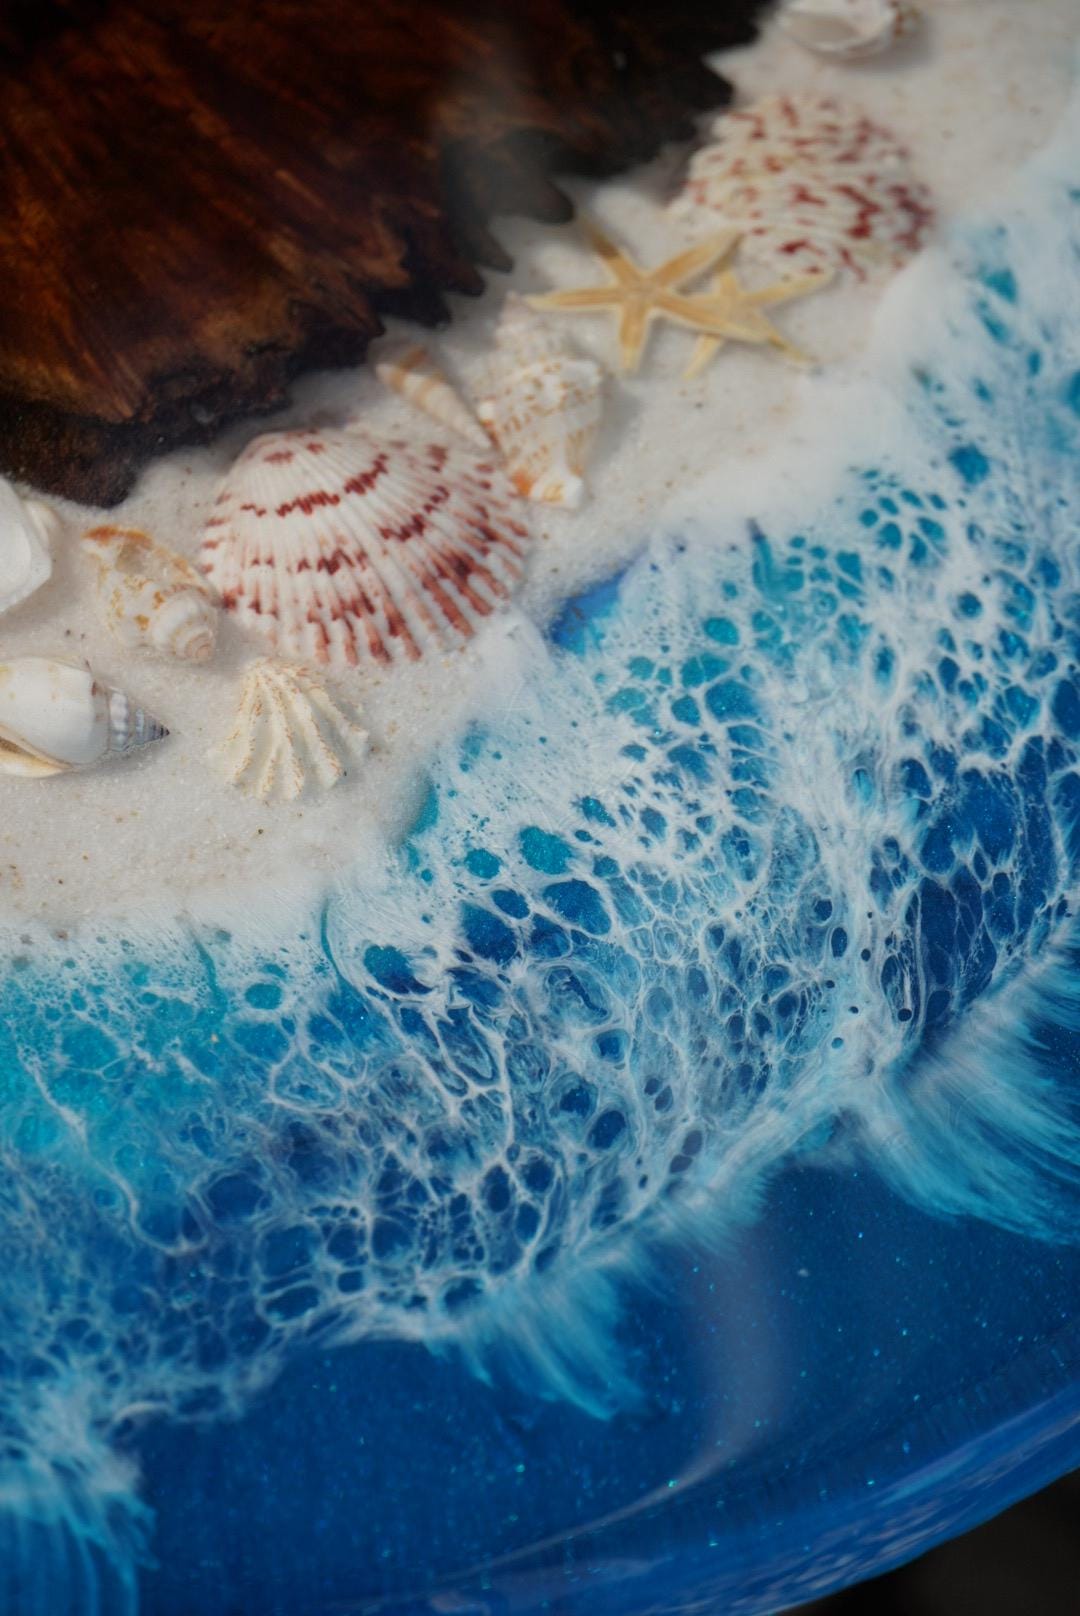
pixel 769 866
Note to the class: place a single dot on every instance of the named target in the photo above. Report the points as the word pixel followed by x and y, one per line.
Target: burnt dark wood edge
pixel 97 462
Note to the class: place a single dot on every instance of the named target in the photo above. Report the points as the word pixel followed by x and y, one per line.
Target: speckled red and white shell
pixel 814 183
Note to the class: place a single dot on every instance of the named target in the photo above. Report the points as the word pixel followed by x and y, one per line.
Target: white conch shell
pixel 152 598
pixel 542 407
pixel 812 183
pixel 288 729
pixel 848 29
pixel 56 716
pixel 336 547
pixel 27 528
pixel 409 369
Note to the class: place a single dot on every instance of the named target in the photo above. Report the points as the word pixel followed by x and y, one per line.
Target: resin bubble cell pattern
pixel 774 852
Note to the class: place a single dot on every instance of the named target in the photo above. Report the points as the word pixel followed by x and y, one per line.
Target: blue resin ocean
pixel 653 1179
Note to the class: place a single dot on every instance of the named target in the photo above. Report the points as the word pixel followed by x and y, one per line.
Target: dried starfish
pixel 639 296
pixel 736 314
pixel 730 313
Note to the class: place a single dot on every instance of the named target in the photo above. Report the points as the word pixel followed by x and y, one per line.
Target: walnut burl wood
pixel 200 199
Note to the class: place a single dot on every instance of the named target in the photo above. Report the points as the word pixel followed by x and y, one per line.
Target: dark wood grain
pixel 199 199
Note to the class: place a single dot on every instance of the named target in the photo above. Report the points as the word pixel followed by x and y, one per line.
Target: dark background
pixel 1024 1563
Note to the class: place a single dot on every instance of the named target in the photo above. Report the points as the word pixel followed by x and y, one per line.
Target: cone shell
pixel 542 407
pixel 153 599
pixel 813 184
pixel 27 529
pixel 849 30
pixel 56 716
pixel 338 548
pixel 409 369
pixel 289 733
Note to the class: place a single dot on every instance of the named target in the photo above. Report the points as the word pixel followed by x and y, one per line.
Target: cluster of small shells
pixel 337 548
pixel 541 403
pixel 55 715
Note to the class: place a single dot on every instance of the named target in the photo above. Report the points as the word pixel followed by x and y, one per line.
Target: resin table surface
pixel 621 1152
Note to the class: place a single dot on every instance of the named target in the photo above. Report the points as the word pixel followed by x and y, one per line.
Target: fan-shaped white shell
pixel 56 716
pixel 336 547
pixel 288 733
pixel 542 406
pixel 27 528
pixel 409 369
pixel 152 599
pixel 848 29
pixel 813 183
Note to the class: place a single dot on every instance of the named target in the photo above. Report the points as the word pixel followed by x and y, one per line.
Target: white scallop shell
pixel 813 183
pixel 848 29
pixel 27 528
pixel 338 547
pixel 289 732
pixel 152 598
pixel 409 369
pixel 542 406
pixel 56 716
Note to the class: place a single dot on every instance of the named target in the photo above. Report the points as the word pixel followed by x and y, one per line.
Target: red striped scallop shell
pixel 337 547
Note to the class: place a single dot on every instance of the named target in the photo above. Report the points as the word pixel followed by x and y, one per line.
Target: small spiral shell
pixel 542 407
pixel 408 368
pixel 57 716
pixel 153 599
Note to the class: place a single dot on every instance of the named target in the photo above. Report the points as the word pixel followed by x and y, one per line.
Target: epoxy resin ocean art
pixel 651 1182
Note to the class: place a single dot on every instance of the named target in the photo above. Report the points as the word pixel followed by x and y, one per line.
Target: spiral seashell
pixel 338 547
pixel 56 716
pixel 153 599
pixel 542 408
pixel 408 368
pixel 27 529
pixel 848 29
pixel 289 732
pixel 812 183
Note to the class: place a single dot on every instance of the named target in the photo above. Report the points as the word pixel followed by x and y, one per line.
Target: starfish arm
pixel 623 271
pixel 705 348
pixel 729 313
pixel 713 316
pixel 788 349
pixel 633 334
pixel 584 297
pixel 695 260
pixel 784 291
pixel 723 317
pixel 758 329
